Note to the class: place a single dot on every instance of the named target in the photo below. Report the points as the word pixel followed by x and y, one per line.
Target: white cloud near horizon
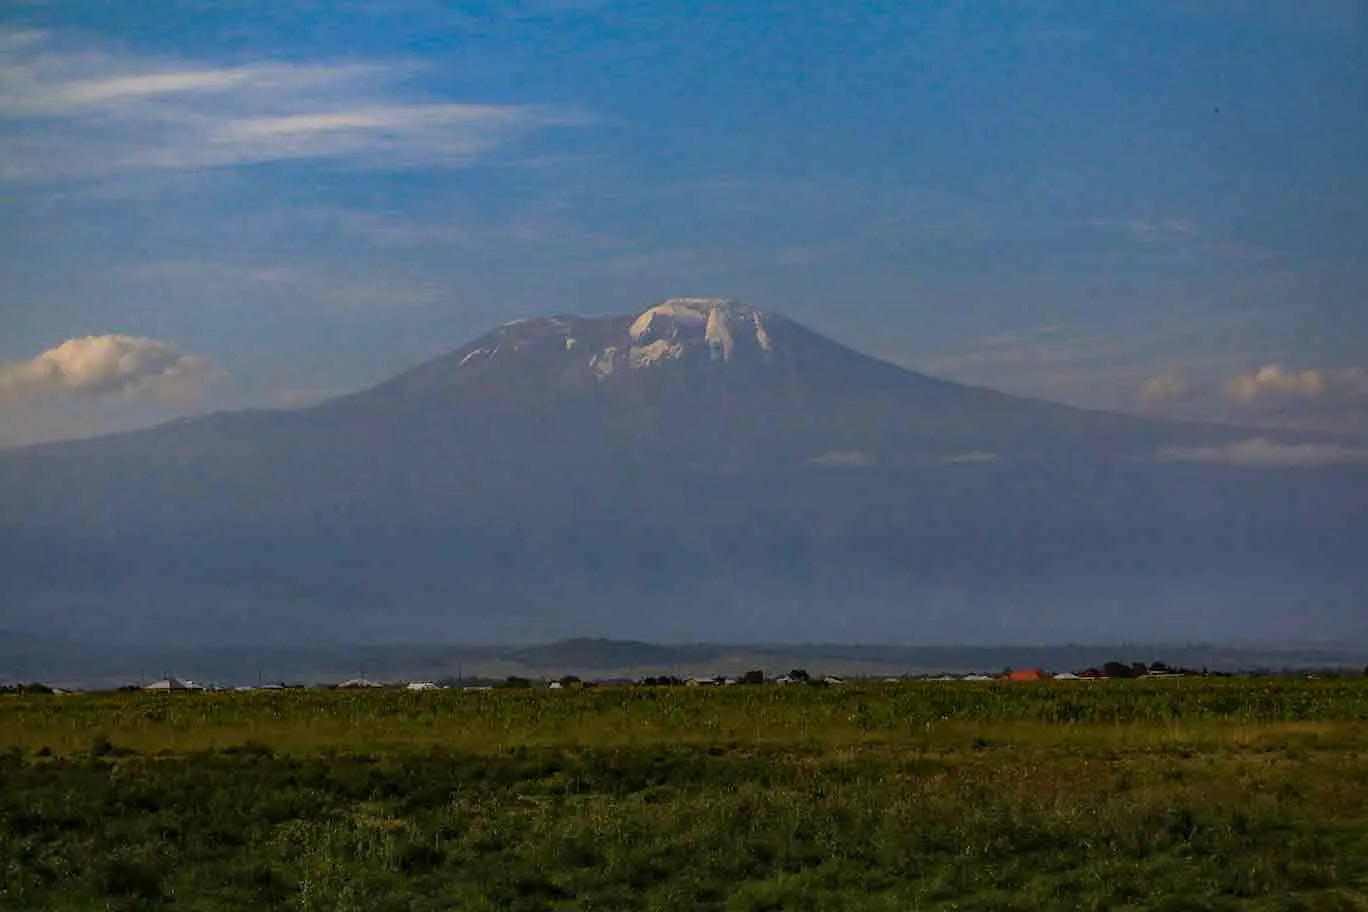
pixel 1262 452
pixel 1277 387
pixel 105 365
pixel 81 114
pixel 1323 400
pixel 1095 367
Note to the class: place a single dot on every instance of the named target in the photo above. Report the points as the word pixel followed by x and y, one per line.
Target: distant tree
pixel 516 682
pixel 754 676
pixel 799 674
pixel 570 681
pixel 1118 670
pixel 1139 669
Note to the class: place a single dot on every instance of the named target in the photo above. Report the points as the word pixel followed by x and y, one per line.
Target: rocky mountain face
pixel 700 470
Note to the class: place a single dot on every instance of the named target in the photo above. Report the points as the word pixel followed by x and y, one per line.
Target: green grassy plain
pixel 1178 794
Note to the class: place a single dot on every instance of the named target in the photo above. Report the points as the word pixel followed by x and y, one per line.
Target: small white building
pixel 173 684
pixel 358 683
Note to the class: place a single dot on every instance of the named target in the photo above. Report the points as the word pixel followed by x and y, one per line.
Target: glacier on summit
pixel 671 329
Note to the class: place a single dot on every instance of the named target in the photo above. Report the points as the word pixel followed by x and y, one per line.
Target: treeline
pixel 753 677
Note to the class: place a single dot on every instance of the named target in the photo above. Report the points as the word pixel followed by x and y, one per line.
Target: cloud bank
pixel 1275 386
pixel 1260 452
pixel 88 114
pixel 1326 400
pixel 103 365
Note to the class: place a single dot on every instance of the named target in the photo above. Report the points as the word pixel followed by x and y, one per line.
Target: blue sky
pixel 1156 206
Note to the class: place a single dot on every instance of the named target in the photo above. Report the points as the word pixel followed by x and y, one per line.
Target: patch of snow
pixel 569 343
pixel 603 363
pixel 659 350
pixel 761 334
pixel 718 333
pixel 677 312
pixel 727 328
pixel 642 324
pixel 664 331
pixel 478 351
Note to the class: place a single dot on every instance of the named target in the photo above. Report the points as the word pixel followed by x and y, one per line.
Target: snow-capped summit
pixel 720 326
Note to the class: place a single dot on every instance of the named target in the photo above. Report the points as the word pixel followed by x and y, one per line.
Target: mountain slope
pixel 701 470
pixel 704 376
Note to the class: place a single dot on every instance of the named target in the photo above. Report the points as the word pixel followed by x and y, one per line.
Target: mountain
pixel 702 470
pixel 720 383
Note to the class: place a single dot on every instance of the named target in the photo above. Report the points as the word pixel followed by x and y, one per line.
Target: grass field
pixel 1181 794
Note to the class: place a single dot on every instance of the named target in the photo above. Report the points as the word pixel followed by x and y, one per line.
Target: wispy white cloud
pixel 1261 452
pixel 102 365
pixel 843 459
pixel 1151 231
pixel 973 457
pixel 328 285
pixel 1084 365
pixel 67 113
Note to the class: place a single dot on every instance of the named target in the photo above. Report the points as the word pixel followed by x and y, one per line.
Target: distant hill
pixel 599 654
pixel 700 471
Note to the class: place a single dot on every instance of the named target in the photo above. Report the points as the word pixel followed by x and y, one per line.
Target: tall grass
pixel 1205 795
pixel 493 720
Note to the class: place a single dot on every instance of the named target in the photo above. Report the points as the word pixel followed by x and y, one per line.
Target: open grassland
pixel 1180 794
